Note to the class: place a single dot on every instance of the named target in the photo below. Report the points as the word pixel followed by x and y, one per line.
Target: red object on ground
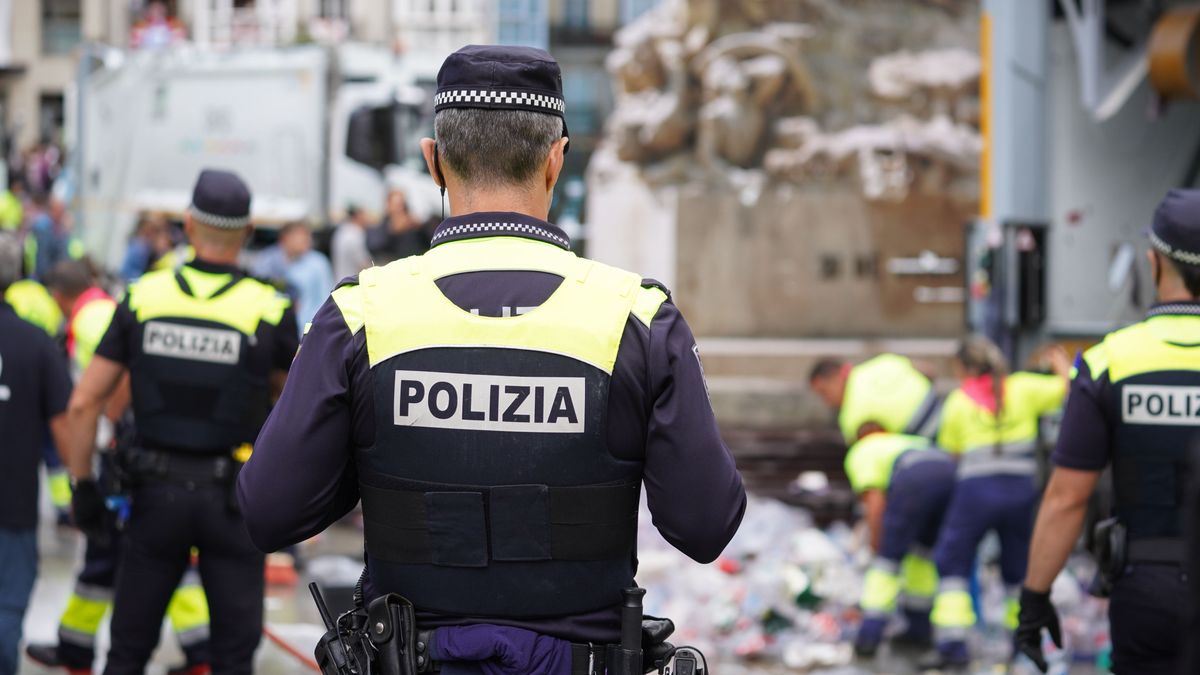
pixel 281 570
pixel 287 647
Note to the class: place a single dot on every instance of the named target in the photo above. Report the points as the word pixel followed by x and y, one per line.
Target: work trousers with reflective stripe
pixel 167 521
pixel 1003 503
pixel 92 599
pixel 917 499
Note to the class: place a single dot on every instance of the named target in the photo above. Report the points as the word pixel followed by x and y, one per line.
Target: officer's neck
pixel 531 203
pixel 216 256
pixel 1169 292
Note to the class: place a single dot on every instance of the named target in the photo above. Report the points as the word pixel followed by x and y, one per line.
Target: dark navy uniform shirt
pixel 302 477
pixel 279 342
pixel 34 387
pixel 1084 440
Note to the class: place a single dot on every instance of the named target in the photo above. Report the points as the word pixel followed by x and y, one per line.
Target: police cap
pixel 221 199
pixel 501 77
pixel 1176 228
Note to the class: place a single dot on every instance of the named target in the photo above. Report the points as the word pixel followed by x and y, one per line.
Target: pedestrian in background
pixel 150 241
pixel 34 388
pixel 306 273
pixel 400 234
pixel 349 245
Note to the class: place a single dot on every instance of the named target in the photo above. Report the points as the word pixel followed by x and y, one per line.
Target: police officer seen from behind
pixel 1132 405
pixel 497 402
pixel 202 345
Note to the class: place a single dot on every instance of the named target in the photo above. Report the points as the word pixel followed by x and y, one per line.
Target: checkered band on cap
pixel 485 98
pixel 220 222
pixel 1186 257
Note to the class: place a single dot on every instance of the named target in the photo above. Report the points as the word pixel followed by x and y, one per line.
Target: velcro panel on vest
pixel 522 523
pixel 457 534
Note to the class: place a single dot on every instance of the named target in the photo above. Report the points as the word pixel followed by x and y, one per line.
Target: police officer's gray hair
pixel 10 260
pixel 495 148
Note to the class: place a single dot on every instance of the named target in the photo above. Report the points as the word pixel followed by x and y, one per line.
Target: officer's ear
pixel 554 163
pixel 429 151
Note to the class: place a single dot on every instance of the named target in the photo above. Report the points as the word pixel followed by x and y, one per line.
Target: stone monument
pixel 794 168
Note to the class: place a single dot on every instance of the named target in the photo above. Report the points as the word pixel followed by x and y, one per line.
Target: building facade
pixel 42 41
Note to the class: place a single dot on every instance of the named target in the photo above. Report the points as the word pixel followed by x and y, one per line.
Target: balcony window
pixel 61 26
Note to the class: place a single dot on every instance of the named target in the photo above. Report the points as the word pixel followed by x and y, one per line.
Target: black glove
pixel 1036 613
pixel 88 509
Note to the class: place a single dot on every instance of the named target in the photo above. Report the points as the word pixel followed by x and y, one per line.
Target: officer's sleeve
pixel 301 477
pixel 693 488
pixel 115 345
pixel 1083 439
pixel 56 380
pixel 287 340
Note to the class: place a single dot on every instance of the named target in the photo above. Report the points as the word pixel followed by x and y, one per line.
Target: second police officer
pixel 203 345
pixel 497 402
pixel 1135 406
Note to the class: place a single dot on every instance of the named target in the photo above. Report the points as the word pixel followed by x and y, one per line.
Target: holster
pixel 656 651
pixel 392 629
pixel 1111 551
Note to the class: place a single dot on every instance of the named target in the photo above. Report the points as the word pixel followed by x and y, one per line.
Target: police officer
pixel 90 310
pixel 1133 404
pixel 497 402
pixel 905 484
pixel 202 345
pixel 888 390
pixel 34 387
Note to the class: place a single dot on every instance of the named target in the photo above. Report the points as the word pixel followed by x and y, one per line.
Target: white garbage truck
pixel 313 131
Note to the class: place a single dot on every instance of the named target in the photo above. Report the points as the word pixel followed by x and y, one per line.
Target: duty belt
pixel 1166 550
pixel 586 659
pixel 182 467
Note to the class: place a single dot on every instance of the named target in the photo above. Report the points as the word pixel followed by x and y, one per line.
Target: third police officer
pixel 497 403
pixel 203 344
pixel 1134 405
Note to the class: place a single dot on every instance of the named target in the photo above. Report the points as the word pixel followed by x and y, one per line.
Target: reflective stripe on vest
pixel 490 490
pixel 1154 368
pixel 193 388
pixel 1013 459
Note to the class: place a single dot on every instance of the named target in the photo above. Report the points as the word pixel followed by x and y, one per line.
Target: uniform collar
pixel 498 224
pixel 1179 307
pixel 211 267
